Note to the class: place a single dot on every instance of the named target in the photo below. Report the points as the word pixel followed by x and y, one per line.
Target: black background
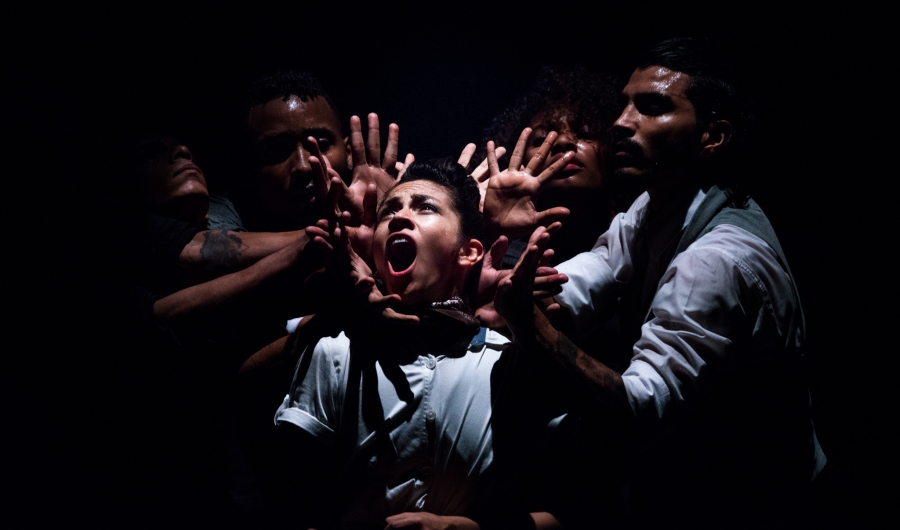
pixel 441 72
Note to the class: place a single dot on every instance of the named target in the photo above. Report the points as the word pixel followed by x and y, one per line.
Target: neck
pixel 667 188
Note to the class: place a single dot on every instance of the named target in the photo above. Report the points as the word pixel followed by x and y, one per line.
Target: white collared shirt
pixel 435 458
pixel 727 287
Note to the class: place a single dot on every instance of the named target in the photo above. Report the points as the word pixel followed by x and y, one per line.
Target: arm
pixel 430 521
pixel 534 332
pixel 547 282
pixel 223 251
pixel 597 278
pixel 723 305
pixel 302 495
pixel 259 283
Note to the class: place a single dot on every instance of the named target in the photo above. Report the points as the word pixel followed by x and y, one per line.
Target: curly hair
pixel 285 84
pixel 591 99
pixel 463 192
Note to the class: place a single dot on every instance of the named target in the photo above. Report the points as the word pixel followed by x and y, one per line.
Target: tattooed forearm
pixel 566 350
pixel 602 380
pixel 221 250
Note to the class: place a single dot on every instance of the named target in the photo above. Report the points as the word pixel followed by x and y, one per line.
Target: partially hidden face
pixel 283 181
pixel 418 250
pixel 657 130
pixel 586 170
pixel 166 174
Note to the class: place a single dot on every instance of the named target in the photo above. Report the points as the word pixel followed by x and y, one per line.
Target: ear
pixel 470 253
pixel 349 152
pixel 716 135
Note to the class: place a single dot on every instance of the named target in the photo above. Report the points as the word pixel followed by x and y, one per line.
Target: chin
pixel 422 296
pixel 629 172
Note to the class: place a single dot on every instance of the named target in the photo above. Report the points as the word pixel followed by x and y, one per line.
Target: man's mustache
pixel 629 146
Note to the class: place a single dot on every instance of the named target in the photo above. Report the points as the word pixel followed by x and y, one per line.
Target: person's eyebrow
pixel 393 202
pixel 320 131
pixel 418 198
pixel 265 138
pixel 653 97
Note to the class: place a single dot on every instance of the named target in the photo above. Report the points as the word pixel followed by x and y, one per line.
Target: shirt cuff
pixel 301 418
pixel 647 391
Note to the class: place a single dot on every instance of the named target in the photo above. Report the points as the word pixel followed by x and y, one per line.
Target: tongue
pixel 402 255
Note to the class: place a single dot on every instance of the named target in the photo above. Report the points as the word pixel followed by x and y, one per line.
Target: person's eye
pixel 651 110
pixel 274 150
pixel 151 151
pixel 324 144
pixel 429 207
pixel 652 106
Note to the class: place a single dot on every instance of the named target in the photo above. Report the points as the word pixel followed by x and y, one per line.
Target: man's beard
pixel 673 163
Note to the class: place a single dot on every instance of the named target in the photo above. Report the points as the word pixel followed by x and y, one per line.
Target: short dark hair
pixel 711 88
pixel 592 98
pixel 462 189
pixel 285 84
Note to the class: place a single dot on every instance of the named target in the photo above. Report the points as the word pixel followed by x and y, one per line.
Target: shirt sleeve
pixel 316 398
pixel 727 287
pixel 596 278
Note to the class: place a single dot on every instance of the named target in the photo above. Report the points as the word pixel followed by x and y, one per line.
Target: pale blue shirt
pixel 434 458
pixel 727 286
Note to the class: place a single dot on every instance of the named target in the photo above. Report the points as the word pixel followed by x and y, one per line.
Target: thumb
pixel 498 250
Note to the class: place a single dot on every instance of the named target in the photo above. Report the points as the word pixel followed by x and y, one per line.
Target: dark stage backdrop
pixel 90 75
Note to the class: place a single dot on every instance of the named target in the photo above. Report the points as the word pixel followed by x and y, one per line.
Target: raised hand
pixel 487 285
pixel 530 279
pixel 545 281
pixel 509 202
pixel 481 173
pixel 327 195
pixel 333 238
pixel 368 166
pixel 401 166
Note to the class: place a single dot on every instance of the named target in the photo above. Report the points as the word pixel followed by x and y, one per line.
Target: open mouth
pixel 301 190
pixel 401 253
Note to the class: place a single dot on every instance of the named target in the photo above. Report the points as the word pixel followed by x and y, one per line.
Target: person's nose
pixel 626 125
pixel 180 151
pixel 300 159
pixel 566 141
pixel 401 220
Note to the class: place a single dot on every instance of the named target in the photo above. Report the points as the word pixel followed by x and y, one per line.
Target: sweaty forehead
pixel 658 80
pixel 294 115
pixel 406 190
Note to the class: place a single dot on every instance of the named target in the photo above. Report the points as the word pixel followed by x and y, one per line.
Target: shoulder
pixel 732 270
pixel 495 340
pixel 730 247
pixel 223 215
pixel 484 350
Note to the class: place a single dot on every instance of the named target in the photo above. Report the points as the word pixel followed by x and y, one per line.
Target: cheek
pixel 378 240
pixel 337 156
pixel 275 177
pixel 597 159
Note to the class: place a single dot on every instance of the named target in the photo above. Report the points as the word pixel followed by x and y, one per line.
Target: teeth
pixel 401 253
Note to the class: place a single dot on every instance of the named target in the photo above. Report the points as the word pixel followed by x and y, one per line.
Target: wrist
pixel 522 324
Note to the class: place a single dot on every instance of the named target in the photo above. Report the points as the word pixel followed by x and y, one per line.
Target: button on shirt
pixel 435 458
